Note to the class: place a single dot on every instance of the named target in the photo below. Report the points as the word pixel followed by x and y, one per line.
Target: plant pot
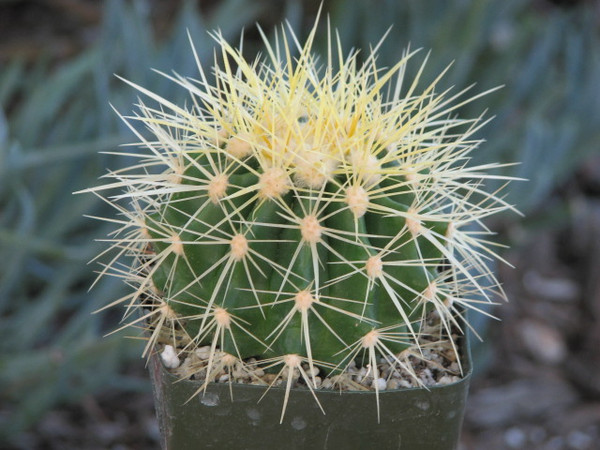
pixel 411 419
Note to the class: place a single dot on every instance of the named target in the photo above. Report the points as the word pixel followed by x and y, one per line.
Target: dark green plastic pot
pixel 411 419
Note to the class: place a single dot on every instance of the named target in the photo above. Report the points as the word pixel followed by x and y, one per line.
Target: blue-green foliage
pixel 51 346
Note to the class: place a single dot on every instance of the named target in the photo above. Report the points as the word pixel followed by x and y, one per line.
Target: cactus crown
pixel 303 215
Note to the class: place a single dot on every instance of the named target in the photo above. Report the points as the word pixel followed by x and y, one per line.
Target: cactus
pixel 308 213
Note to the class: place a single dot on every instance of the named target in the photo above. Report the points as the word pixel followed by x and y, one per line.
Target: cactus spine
pixel 303 215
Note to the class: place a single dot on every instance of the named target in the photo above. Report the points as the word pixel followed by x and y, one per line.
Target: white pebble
pixel 224 378
pixel 427 377
pixel 314 372
pixel 379 384
pixel 169 357
pixel 445 380
pixel 203 352
pixel 326 383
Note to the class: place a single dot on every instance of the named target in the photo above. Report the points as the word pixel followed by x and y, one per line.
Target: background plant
pixel 52 346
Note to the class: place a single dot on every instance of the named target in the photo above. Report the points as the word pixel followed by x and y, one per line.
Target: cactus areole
pixel 308 213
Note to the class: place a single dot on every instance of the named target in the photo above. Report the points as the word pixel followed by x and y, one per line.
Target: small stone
pixel 251 362
pixel 327 383
pixel 169 357
pixel 544 343
pixel 451 354
pixel 579 440
pixel 203 352
pixel 393 383
pixel 379 384
pixel 556 443
pixel 515 438
pixel 444 380
pixel 223 378
pixel 314 372
pixel 294 375
pixel 269 377
pixel 365 381
pixel 448 379
pixel 551 288
pixel 185 368
pixel 200 374
pixel 427 377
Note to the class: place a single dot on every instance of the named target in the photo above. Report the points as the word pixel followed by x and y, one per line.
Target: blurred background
pixel 65 386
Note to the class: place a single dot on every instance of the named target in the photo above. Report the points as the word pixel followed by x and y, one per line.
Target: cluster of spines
pixel 303 215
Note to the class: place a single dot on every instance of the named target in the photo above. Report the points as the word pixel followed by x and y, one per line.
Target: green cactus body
pixel 303 215
pixel 272 264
